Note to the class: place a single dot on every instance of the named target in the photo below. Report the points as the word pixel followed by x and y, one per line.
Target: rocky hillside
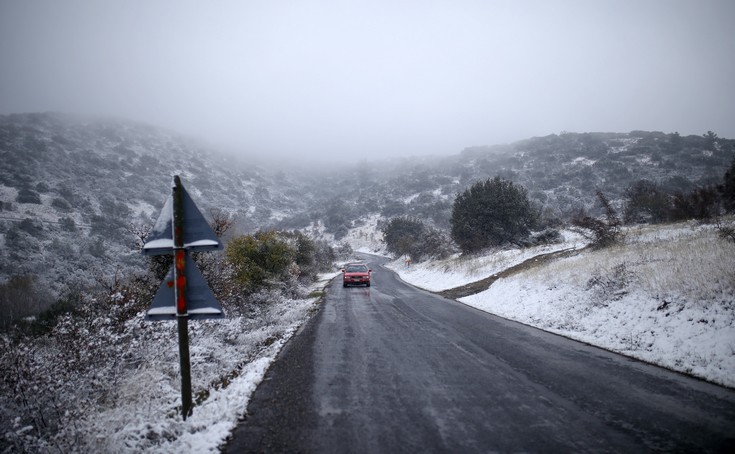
pixel 71 187
pixel 561 172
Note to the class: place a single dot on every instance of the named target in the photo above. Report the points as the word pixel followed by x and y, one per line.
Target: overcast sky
pixel 321 79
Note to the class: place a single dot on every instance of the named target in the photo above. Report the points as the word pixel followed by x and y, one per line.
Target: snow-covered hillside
pixel 120 390
pixel 665 296
pixel 75 194
pixel 73 189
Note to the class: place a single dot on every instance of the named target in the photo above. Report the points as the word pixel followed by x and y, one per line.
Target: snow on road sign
pixel 184 294
pixel 198 235
pixel 200 301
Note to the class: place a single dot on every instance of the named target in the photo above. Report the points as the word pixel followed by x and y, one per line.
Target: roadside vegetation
pixel 650 285
pixel 80 370
pixel 492 213
pixel 88 371
pixel 411 237
pixel 664 295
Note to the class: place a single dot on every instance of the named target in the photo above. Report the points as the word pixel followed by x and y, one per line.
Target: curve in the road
pixel 391 368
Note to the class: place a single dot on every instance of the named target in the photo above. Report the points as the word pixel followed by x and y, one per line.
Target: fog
pixel 360 80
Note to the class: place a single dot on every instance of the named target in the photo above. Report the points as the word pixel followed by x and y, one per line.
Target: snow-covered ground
pixel 133 404
pixel 665 296
pixel 215 418
pixel 456 271
pixel 366 237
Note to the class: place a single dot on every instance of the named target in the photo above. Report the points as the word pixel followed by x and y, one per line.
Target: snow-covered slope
pixel 71 188
pixel 665 296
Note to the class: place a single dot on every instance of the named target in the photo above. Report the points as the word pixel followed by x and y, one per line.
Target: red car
pixel 356 274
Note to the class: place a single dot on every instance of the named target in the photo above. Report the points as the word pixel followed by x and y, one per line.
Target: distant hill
pixel 564 170
pixel 71 186
pixel 561 172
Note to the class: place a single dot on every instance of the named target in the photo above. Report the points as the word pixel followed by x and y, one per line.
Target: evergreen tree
pixel 400 234
pixel 490 213
pixel 411 236
pixel 646 203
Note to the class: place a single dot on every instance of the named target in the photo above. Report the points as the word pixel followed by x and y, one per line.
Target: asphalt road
pixel 390 369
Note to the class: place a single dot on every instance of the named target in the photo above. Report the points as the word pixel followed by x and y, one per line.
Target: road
pixel 391 368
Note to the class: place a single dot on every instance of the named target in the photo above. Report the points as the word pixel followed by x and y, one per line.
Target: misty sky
pixel 375 78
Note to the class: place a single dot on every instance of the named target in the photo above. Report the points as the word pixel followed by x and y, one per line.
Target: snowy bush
pixel 412 237
pixel 610 284
pixel 727 232
pixel 61 204
pixel 544 237
pixel 273 260
pixel 20 297
pixel 26 195
pixel 601 232
pixel 91 375
pixel 68 224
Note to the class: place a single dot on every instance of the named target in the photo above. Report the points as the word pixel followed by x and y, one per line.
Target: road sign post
pixel 184 294
pixel 182 317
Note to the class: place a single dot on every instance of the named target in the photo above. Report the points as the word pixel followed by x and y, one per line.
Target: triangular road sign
pixel 198 235
pixel 200 301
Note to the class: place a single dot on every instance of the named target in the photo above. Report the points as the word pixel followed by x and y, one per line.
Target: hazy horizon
pixel 329 80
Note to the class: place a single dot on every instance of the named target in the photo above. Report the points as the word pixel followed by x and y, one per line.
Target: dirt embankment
pixel 484 284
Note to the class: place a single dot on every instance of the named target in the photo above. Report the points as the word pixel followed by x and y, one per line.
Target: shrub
pixel 491 213
pixel 646 203
pixel 343 251
pixel 726 232
pixel 336 217
pixel 26 195
pixel 340 232
pixel 61 204
pixel 393 208
pixel 260 260
pixel 68 224
pixel 400 234
pixel 702 204
pixel 601 232
pixel 20 297
pixel 409 236
pixel 610 285
pixel 67 304
pixel 221 222
pixel 546 236
pixel 96 247
pixel 31 227
pixel 324 255
pixel 311 257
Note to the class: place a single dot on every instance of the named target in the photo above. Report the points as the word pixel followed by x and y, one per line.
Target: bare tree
pixel 222 221
pixel 140 232
pixel 602 232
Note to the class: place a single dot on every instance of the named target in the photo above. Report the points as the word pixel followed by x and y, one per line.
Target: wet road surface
pixel 394 369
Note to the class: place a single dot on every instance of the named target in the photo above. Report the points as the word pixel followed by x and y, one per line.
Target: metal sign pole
pixel 182 315
pixel 181 228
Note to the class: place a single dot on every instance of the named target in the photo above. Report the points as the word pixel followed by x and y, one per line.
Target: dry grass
pixel 678 261
pixel 493 261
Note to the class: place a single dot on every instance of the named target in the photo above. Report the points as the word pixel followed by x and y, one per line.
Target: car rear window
pixel 357 269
